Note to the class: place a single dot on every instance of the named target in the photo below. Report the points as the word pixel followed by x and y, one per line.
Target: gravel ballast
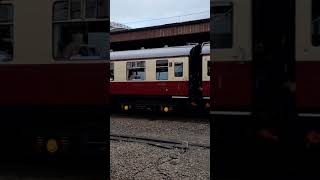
pixel 136 160
pixel 140 161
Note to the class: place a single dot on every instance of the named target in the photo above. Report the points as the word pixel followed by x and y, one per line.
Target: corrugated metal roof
pixel 161 31
pixel 156 52
pixel 200 21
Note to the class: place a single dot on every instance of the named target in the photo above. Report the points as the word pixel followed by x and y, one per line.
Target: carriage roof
pixel 156 52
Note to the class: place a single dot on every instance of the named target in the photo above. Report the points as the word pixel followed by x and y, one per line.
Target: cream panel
pixel 171 69
pixel 241 50
pixel 186 69
pixel 205 76
pixel 185 76
pixel 151 70
pixel 305 51
pixel 120 70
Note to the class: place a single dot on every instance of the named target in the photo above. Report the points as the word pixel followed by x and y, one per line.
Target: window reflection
pixel 84 39
pixel 222 26
pixel 136 70
pixel 162 70
pixel 178 69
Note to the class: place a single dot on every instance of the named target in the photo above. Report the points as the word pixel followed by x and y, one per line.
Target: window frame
pixel 127 70
pixel 97 11
pixel 12 23
pixel 162 66
pixel 226 4
pixel 174 69
pixel 112 70
pixel 242 36
pixel 83 20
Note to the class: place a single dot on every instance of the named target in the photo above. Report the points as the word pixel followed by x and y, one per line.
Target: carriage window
pixel 178 69
pixel 316 22
pixel 162 70
pixel 111 71
pixel 80 40
pixel 96 8
pixel 75 9
pixel 91 8
pixel 136 70
pixel 61 11
pixel 6 32
pixel 102 9
pixel 222 26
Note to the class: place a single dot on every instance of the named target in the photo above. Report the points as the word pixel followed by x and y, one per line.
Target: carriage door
pixel 273 60
pixel 231 56
pixel 195 76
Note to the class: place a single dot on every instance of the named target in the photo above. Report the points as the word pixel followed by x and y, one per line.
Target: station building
pixel 176 34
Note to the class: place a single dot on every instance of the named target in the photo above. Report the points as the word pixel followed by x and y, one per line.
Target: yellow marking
pixel 52 145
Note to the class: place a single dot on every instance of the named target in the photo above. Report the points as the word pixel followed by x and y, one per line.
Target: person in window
pixel 74 47
pixel 131 75
pixel 111 76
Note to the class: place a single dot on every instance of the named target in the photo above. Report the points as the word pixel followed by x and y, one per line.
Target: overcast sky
pixel 139 13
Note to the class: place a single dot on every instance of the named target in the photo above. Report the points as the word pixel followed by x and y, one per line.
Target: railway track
pixel 167 117
pixel 162 143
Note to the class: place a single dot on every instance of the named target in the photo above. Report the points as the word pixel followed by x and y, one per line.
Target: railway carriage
pixel 265 86
pixel 156 80
pixel 53 74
